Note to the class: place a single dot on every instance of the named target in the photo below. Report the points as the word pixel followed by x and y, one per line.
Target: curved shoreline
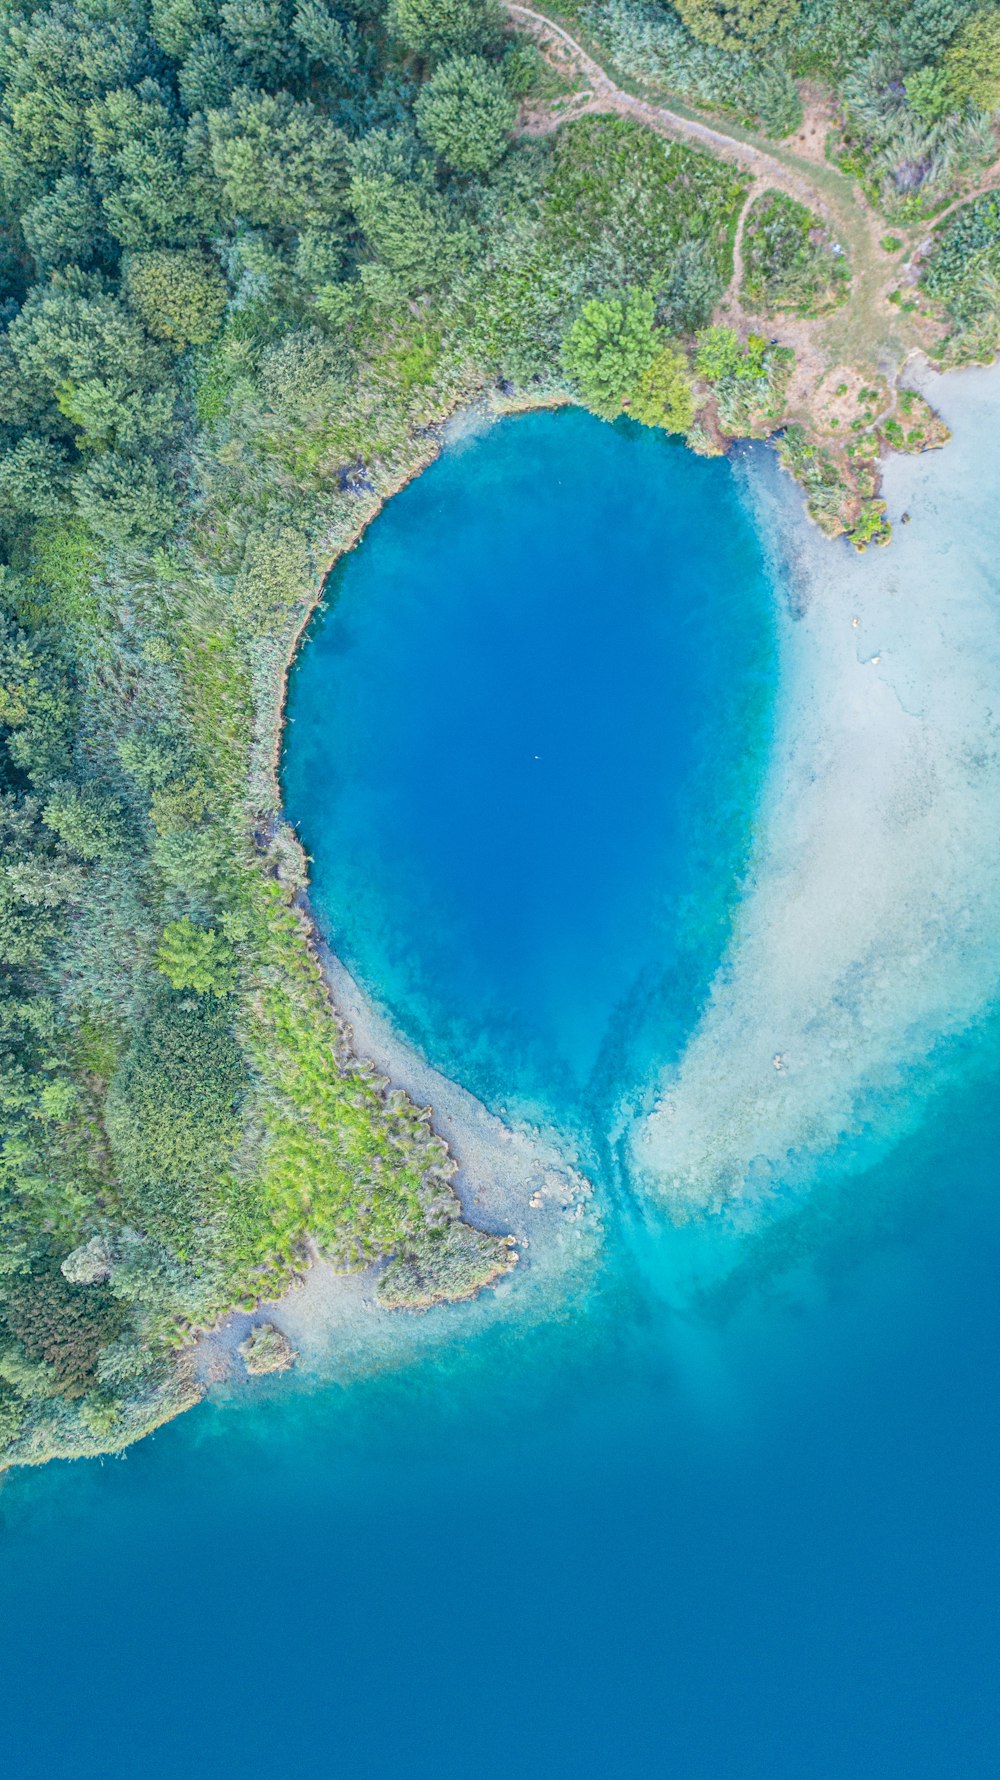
pixel 498 1166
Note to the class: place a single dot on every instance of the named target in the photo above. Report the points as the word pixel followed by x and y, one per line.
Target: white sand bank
pixel 869 928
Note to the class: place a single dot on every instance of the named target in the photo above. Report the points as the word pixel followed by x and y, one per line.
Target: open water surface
pixel 732 1512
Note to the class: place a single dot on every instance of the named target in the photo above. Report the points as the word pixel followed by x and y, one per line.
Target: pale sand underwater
pixel 868 932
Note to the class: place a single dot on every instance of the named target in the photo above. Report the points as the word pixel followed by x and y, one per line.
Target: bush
pixel 664 396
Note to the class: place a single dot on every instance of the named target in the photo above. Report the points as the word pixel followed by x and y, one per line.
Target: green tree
pixel 92 363
pixel 63 227
pixel 447 27
pixel 56 61
pixel 926 29
pixel 179 293
pixel 196 958
pixel 719 354
pixel 258 31
pixel 33 480
pixel 465 113
pixel 126 500
pixel 973 61
pixel 738 24
pixel 88 823
pixel 409 226
pixel 37 706
pixel 931 94
pixel 326 42
pixel 281 161
pixel 208 75
pixel 176 24
pixel 664 396
pixel 608 347
pixel 153 174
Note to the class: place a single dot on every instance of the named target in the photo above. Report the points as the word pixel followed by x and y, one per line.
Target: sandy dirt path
pixel 868 331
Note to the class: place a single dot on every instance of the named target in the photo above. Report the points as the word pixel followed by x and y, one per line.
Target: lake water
pixel 732 1511
pixel 526 740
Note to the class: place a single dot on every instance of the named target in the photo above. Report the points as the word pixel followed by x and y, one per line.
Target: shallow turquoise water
pixel 742 1531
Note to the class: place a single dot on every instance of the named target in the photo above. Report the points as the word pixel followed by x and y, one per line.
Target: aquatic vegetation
pixel 860 963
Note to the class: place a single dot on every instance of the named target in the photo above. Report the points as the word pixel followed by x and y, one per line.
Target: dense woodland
pixel 251 251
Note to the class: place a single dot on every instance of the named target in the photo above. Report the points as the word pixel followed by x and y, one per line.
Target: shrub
pixel 196 958
pixel 608 347
pixel 664 396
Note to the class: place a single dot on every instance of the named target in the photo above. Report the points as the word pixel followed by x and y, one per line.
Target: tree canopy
pixel 465 112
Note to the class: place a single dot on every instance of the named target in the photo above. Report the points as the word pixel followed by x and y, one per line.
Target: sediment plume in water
pixel 868 931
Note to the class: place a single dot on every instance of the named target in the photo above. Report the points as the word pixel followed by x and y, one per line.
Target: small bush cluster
pixel 789 261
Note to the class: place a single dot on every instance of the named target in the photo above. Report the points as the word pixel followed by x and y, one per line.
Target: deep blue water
pixel 527 734
pixel 753 1534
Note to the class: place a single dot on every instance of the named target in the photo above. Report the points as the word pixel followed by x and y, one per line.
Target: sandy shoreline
pixel 510 1178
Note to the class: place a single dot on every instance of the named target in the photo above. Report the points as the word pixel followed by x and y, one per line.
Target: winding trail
pixel 868 331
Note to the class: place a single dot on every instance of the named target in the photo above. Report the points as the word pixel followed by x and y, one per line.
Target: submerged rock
pixel 267 1349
